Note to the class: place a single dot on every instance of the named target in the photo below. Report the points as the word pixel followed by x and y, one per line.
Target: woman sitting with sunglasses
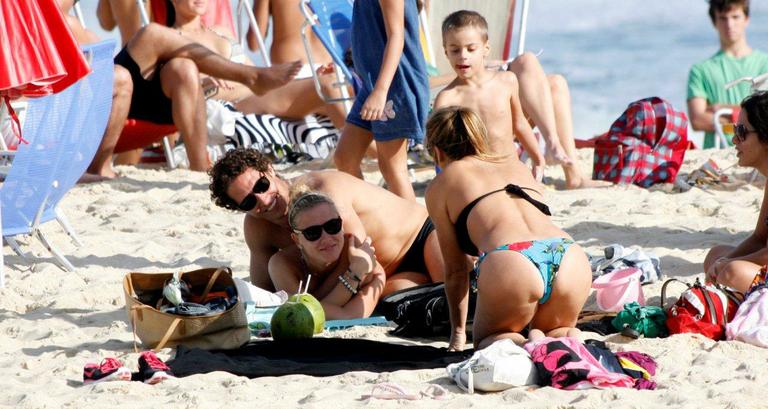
pixel 342 272
pixel 731 266
pixel 529 272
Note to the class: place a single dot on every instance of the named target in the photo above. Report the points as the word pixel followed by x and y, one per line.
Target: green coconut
pixel 292 320
pixel 314 306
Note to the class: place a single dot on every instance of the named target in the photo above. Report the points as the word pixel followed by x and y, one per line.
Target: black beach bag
pixel 422 311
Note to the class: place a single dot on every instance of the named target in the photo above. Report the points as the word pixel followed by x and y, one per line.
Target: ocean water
pixel 611 52
pixel 615 52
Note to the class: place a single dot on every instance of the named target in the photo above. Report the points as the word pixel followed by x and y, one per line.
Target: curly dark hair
pixel 229 167
pixel 722 6
pixel 756 108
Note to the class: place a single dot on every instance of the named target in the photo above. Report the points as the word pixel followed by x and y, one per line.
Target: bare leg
pixel 82 35
pixel 715 253
pixel 121 103
pixel 155 44
pixel 180 80
pixel 125 14
pixel 393 164
pixel 104 15
pixel 536 100
pixel 352 146
pixel 131 157
pixel 737 274
pixel 403 280
pixel 490 339
pixel 295 100
pixel 561 98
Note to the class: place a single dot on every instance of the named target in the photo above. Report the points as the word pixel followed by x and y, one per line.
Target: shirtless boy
pixel 495 96
pixel 400 230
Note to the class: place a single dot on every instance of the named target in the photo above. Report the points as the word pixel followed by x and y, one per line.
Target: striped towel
pixel 314 135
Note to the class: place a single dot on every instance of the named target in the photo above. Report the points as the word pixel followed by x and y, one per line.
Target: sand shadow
pixel 598 233
pixel 114 345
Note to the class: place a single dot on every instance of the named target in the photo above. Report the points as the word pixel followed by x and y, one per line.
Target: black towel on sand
pixel 315 357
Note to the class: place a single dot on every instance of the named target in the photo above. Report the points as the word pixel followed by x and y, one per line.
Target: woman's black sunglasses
pixel 249 202
pixel 740 131
pixel 313 233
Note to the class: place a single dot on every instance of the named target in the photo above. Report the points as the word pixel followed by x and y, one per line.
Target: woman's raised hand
pixel 362 256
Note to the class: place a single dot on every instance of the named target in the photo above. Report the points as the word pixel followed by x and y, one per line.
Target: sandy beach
pixel 154 220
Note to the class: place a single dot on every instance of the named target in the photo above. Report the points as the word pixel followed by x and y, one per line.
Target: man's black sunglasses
pixel 249 201
pixel 313 233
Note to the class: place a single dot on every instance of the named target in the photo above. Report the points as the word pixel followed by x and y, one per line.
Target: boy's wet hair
pixel 756 108
pixel 465 18
pixel 458 132
pixel 722 6
pixel 233 164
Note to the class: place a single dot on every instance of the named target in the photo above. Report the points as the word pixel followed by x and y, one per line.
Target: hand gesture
pixel 362 256
pixel 538 172
pixel 325 69
pixel 373 108
pixel 710 276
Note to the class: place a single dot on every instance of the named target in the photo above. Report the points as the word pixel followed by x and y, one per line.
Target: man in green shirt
pixel 734 60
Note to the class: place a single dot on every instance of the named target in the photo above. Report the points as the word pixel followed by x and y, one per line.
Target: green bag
pixel 649 320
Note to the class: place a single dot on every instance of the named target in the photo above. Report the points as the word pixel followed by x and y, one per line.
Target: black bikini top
pixel 462 234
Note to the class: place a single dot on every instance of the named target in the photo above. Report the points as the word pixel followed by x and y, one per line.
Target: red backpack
pixel 701 309
pixel 646 145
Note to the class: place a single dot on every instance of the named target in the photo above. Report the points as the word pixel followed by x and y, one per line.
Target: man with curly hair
pixel 400 230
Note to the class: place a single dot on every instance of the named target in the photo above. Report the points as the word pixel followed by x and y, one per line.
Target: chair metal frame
pixel 64 173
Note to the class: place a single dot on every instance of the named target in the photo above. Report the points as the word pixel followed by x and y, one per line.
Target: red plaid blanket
pixel 646 145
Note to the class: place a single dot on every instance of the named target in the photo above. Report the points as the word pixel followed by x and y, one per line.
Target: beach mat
pixel 314 356
pixel 335 325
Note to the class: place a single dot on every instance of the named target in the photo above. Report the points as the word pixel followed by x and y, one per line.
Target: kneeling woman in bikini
pixel 529 271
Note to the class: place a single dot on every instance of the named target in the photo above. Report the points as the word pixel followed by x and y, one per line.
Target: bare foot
pixel 269 78
pixel 574 333
pixel 583 183
pixel 94 178
pixel 535 335
pixel 556 155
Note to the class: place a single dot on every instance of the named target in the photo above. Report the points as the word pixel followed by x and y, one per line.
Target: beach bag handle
pixel 707 299
pixel 135 309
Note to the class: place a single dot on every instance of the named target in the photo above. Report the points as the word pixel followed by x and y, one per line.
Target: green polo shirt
pixel 707 80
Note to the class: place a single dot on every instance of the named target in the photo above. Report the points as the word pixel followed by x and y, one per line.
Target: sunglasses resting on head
pixel 249 201
pixel 313 233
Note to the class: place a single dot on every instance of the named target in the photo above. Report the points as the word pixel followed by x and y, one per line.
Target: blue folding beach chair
pixel 331 21
pixel 64 131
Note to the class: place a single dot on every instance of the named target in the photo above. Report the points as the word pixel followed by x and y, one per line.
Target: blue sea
pixel 614 52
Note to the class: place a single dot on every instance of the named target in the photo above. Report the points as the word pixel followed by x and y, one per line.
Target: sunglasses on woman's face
pixel 740 131
pixel 313 233
pixel 249 202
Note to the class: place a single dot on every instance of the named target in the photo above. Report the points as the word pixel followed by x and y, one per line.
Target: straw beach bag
pixel 156 329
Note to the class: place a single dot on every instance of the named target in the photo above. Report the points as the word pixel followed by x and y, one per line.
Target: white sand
pixel 53 322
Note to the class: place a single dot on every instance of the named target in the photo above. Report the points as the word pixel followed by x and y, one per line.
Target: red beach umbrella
pixel 38 53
